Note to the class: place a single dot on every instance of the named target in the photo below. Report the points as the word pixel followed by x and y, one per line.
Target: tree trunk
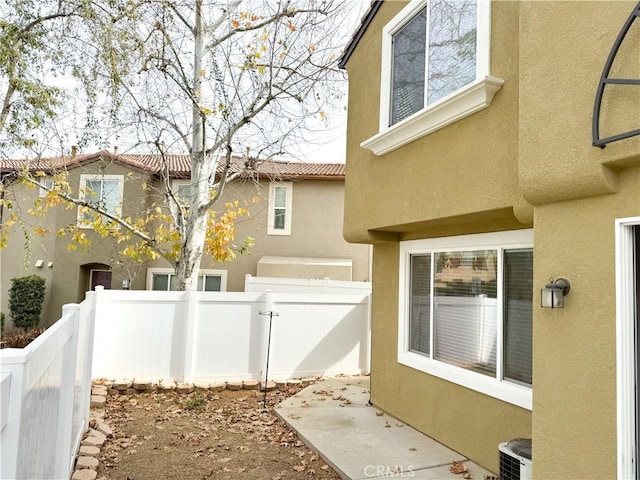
pixel 193 241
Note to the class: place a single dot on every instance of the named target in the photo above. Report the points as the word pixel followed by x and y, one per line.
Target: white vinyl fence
pixel 188 336
pixel 218 336
pixel 312 285
pixel 46 390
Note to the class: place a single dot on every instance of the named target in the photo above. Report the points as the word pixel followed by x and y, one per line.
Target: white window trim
pixel 625 348
pixel 271 230
pixel 176 184
pixel 503 390
pixel 170 271
pixel 46 184
pixel 83 185
pixel 454 107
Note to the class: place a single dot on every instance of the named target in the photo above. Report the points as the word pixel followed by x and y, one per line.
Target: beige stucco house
pixel 471 170
pixel 296 217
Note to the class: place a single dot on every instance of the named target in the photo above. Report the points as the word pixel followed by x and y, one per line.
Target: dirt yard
pixel 221 435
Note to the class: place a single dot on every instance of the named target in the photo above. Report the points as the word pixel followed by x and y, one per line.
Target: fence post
pixel 268 307
pixel 326 284
pixel 64 456
pixel 88 341
pixel 247 282
pixel 190 335
pixel 10 434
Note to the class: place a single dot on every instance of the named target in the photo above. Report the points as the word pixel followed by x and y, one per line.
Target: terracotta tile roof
pixel 180 165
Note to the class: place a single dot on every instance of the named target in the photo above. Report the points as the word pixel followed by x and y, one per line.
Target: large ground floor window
pixel 466 308
pixel 208 280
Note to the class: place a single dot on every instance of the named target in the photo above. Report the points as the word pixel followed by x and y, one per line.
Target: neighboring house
pixel 296 223
pixel 471 171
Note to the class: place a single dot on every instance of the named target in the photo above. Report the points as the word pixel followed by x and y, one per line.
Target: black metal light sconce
pixel 552 295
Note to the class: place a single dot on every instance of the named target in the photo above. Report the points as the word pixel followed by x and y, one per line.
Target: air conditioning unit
pixel 515 459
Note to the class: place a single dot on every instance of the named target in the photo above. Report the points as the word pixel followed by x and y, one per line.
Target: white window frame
pixel 176 184
pixel 84 178
pixel 46 184
pixel 271 230
pixel 170 271
pixel 625 348
pixel 455 106
pixel 504 390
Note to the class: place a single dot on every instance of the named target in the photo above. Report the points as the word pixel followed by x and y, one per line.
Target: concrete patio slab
pixel 360 441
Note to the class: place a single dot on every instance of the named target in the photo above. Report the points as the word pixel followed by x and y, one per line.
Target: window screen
pixel 420 328
pixel 209 283
pixel 409 50
pixel 452 47
pixel 280 207
pixel 465 309
pixel 518 315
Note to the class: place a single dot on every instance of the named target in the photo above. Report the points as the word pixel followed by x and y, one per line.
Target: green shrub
pixel 196 401
pixel 26 297
pixel 1 321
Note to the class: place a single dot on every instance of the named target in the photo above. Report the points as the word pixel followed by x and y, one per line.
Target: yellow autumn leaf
pixel 42 231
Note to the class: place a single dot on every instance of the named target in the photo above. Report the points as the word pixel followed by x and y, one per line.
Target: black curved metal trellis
pixel 606 80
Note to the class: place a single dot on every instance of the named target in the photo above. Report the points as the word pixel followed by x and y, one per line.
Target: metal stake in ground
pixel 271 314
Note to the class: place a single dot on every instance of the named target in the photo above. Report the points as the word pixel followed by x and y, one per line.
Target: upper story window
pixel 466 308
pixel 183 192
pixel 102 191
pixel 280 206
pixel 428 68
pixel 46 185
pixel 435 69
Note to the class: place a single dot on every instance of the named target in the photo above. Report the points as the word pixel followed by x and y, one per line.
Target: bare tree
pixel 33 40
pixel 214 79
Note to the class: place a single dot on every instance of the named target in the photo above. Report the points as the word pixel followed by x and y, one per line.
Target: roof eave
pixel 357 36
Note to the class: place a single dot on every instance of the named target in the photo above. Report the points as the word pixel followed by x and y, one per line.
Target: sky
pixel 329 141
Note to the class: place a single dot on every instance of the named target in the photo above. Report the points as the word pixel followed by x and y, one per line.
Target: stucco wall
pixel 462 419
pixel 575 350
pixel 467 168
pixel 17 260
pixel 459 180
pixel 316 232
pixel 525 160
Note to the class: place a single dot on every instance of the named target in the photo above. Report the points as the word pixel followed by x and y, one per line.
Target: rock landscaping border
pixel 87 460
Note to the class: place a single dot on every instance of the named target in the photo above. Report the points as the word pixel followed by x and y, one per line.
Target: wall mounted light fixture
pixel 552 295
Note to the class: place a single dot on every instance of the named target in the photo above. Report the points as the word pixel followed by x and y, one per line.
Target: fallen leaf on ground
pixel 457 468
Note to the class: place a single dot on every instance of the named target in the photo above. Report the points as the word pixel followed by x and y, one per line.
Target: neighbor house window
pixel 183 192
pixel 163 279
pixel 102 191
pixel 466 311
pixel 435 69
pixel 46 185
pixel 280 202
